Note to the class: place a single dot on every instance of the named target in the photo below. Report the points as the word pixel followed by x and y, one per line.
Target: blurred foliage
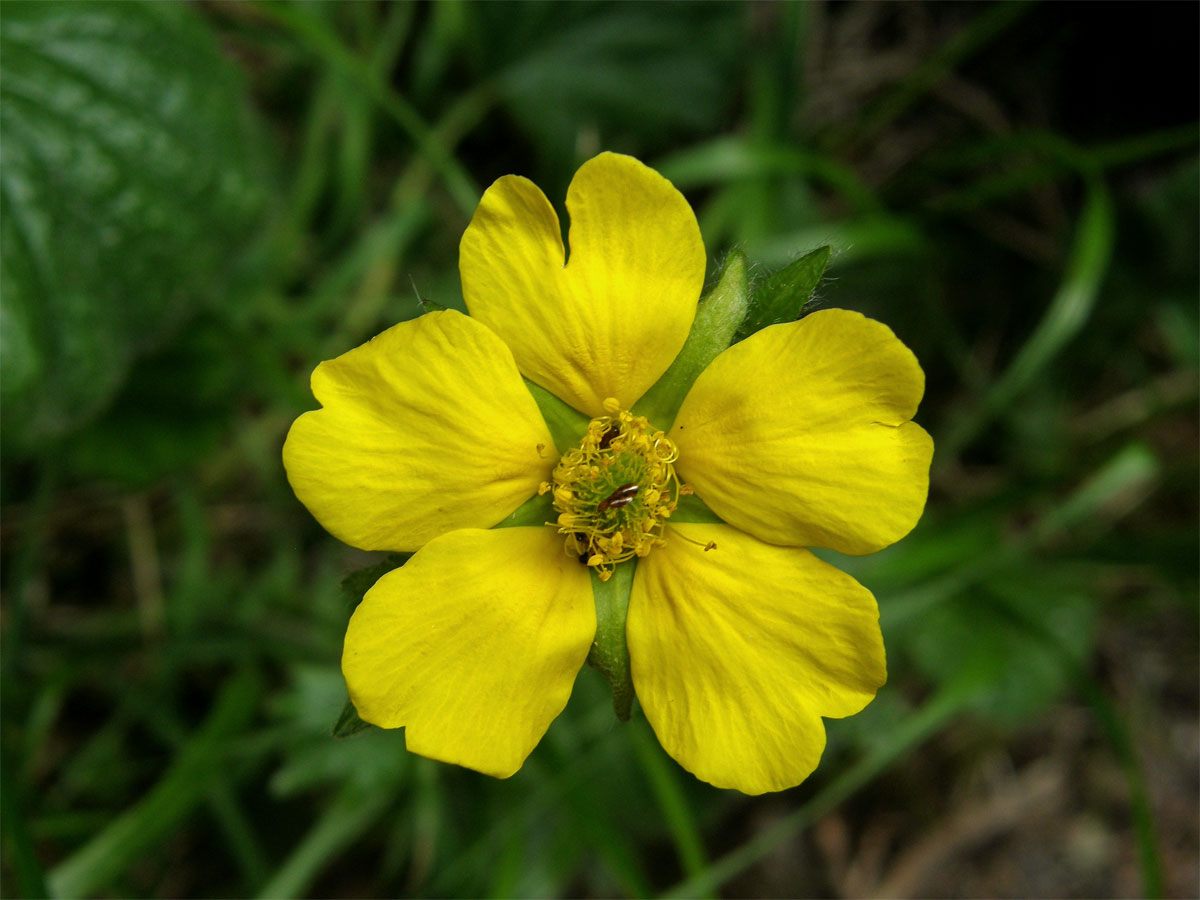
pixel 132 174
pixel 200 202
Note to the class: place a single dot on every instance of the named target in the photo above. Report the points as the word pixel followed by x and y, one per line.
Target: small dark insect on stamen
pixel 622 496
pixel 581 540
pixel 607 438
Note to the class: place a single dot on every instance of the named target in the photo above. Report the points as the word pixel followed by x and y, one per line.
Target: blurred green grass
pixel 199 203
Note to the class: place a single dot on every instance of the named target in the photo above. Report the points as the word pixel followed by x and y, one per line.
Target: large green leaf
pixel 130 176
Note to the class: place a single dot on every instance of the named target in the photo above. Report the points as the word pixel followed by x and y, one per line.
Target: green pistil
pixel 615 491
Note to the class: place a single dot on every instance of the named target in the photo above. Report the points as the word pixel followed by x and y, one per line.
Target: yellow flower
pixel 740 640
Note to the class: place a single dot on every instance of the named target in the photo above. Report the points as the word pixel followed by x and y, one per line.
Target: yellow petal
pixel 609 322
pixel 738 651
pixel 473 645
pixel 800 435
pixel 426 428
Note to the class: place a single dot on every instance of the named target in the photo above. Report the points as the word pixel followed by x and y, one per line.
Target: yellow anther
pixel 612 405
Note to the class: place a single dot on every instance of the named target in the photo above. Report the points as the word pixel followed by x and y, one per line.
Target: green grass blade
pixel 1112 725
pixel 594 824
pixel 354 810
pixel 1068 312
pixel 917 728
pixel 1105 495
pixel 151 819
pixel 729 159
pixel 31 879
pixel 1145 832
pixel 239 833
pixel 989 25
pixel 326 45
pixel 853 241
pixel 1102 498
pixel 1071 306
pixel 663 779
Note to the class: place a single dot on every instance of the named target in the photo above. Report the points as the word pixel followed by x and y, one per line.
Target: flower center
pixel 615 491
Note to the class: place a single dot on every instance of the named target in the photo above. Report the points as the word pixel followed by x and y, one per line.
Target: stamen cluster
pixel 615 491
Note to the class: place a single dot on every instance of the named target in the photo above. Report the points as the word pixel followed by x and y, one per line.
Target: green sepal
pixel 356 584
pixel 717 319
pixel 354 588
pixel 566 424
pixel 609 654
pixel 692 510
pixel 348 723
pixel 537 510
pixel 781 298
